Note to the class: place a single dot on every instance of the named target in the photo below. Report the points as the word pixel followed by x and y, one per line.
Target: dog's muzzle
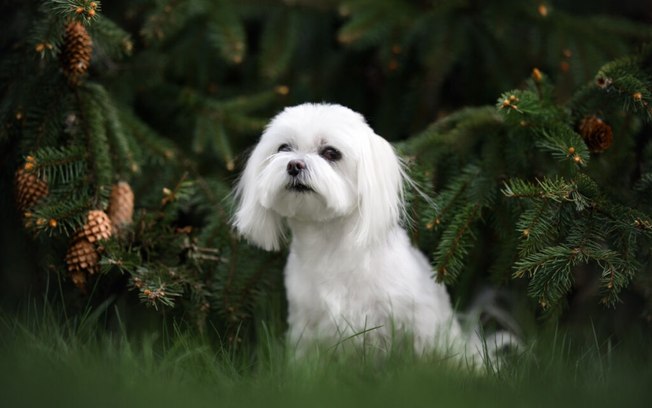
pixel 294 169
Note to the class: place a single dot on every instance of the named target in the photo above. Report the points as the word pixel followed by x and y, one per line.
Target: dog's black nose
pixel 295 167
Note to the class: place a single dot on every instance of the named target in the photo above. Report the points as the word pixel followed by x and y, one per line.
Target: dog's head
pixel 319 162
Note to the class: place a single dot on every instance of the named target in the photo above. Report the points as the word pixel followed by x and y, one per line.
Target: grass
pixel 50 361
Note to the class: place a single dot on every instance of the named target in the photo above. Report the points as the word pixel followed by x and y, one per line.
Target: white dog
pixel 320 170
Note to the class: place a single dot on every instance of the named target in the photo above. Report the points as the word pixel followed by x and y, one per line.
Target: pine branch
pixel 628 79
pixel 45 111
pixel 57 217
pixel 554 189
pixel 46 36
pixel 156 149
pixel 169 17
pixel 454 130
pixel 644 185
pixel 210 130
pixel 110 40
pixel 202 133
pixel 279 40
pixel 244 104
pixel 226 33
pixel 564 145
pixel 69 9
pixel 58 165
pixel 589 226
pixel 538 228
pixel 617 273
pixel 93 122
pixel 120 146
pixel 449 198
pixel 456 241
pixel 157 284
pixel 550 273
pixel 371 22
pixel 222 146
pixel 243 124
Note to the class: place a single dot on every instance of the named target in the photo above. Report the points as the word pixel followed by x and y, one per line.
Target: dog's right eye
pixel 284 148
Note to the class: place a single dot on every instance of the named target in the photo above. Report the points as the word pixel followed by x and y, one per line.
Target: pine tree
pixel 534 186
pixel 84 144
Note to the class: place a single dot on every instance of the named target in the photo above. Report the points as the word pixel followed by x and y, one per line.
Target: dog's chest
pixel 336 287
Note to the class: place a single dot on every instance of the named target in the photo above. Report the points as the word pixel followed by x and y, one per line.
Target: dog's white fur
pixel 351 267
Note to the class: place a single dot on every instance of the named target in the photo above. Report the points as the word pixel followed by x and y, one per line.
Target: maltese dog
pixel 352 274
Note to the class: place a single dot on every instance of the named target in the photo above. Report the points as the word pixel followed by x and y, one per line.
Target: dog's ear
pixel 258 224
pixel 380 189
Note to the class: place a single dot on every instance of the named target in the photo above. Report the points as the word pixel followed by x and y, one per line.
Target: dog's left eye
pixel 284 148
pixel 330 153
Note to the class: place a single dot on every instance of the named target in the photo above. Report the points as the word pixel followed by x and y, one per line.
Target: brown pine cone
pixel 76 52
pixel 597 134
pixel 29 189
pixel 97 228
pixel 82 257
pixel 121 206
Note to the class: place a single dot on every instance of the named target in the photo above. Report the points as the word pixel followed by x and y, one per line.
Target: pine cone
pixel 79 279
pixel 121 206
pixel 82 256
pixel 82 259
pixel 98 227
pixel 596 134
pixel 76 52
pixel 29 189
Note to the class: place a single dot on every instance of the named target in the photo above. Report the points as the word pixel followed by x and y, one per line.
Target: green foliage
pixel 226 33
pixel 565 228
pixel 565 218
pixel 111 42
pixel 279 42
pixel 178 90
pixel 94 128
pixel 216 119
pixel 457 40
pixel 83 139
pixel 58 164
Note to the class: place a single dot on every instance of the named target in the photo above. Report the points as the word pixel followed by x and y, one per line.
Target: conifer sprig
pixel 456 241
pixel 112 42
pixel 564 145
pixel 279 41
pixel 565 228
pixel 630 82
pixel 92 117
pixel 59 217
pixel 58 164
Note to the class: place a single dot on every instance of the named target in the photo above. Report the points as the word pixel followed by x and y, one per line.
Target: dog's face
pixel 318 162
pixel 309 167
